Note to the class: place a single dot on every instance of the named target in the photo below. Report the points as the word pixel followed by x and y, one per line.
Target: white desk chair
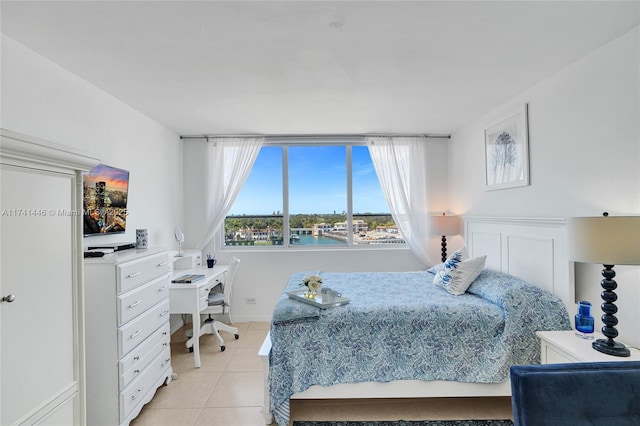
pixel 219 303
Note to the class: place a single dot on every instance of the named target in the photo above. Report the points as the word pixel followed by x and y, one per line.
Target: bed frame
pixel 533 249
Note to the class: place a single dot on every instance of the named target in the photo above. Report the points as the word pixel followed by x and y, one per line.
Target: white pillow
pixel 457 275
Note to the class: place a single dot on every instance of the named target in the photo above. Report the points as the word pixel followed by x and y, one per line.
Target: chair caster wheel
pixel 237 336
pixel 222 348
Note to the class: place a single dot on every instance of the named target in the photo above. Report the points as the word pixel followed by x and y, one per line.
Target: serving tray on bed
pixel 317 301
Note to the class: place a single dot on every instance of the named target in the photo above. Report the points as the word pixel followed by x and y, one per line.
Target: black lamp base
pixel 611 347
pixel 443 252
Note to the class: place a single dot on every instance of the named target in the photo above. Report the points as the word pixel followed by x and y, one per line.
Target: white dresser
pixel 127 333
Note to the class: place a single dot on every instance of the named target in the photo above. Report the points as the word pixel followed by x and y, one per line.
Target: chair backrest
pixel 594 393
pixel 229 279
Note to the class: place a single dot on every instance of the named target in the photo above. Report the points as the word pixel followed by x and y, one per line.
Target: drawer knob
pixel 135 303
pixel 136 371
pixel 135 274
pixel 136 358
pixel 135 334
pixel 9 298
pixel 164 313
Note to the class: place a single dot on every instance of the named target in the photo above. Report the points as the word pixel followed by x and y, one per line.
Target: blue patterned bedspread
pixel 400 326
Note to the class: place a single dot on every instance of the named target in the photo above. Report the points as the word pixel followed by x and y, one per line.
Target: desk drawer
pixel 203 303
pixel 203 295
pixel 135 362
pixel 134 394
pixel 135 332
pixel 133 274
pixel 135 302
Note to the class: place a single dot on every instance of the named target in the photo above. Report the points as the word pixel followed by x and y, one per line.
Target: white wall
pixel 41 99
pixel 263 273
pixel 584 144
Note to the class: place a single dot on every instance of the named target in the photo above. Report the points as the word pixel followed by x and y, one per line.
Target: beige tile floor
pixel 228 390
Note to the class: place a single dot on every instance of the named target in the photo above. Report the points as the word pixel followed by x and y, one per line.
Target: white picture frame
pixel 506 148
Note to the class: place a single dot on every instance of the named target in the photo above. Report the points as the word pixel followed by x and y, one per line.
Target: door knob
pixel 10 298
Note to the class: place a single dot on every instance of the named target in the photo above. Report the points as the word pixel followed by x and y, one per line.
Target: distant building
pixel 359 226
pixel 321 229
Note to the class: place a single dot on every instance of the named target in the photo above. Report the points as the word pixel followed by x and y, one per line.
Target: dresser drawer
pixel 133 274
pixel 135 302
pixel 134 394
pixel 135 332
pixel 135 362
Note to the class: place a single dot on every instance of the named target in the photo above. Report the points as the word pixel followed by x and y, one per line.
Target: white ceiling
pixel 305 67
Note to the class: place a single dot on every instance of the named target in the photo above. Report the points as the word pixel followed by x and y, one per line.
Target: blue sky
pixel 317 182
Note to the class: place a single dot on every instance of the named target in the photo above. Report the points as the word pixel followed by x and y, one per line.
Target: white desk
pixel 193 298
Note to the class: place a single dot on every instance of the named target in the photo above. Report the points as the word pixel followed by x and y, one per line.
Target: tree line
pixel 234 223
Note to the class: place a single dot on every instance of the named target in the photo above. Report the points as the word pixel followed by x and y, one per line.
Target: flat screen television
pixel 105 191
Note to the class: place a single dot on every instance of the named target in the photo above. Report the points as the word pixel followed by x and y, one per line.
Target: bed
pixel 402 336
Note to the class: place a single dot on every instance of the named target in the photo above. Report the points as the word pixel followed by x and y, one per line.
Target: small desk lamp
pixel 445 226
pixel 609 241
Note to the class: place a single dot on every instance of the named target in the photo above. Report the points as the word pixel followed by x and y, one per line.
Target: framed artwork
pixel 506 148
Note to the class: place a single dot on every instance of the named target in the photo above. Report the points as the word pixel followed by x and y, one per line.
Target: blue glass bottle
pixel 584 320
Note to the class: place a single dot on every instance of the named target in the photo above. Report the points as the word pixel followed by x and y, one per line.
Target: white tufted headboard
pixel 534 249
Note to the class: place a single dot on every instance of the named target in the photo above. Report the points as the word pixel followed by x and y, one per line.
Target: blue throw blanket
pixel 400 326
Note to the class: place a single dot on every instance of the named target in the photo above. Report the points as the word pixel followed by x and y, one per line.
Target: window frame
pixel 285 143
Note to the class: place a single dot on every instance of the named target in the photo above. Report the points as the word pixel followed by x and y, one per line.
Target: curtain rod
pixel 320 136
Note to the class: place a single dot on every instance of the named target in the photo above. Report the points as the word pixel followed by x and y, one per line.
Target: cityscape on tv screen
pixel 105 192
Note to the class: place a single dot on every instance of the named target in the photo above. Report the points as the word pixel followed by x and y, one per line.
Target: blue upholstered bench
pixel 593 393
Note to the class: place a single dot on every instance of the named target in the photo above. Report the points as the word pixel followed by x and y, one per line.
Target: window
pixel 311 195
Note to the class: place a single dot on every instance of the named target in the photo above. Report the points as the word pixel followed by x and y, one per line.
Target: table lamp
pixel 609 241
pixel 445 226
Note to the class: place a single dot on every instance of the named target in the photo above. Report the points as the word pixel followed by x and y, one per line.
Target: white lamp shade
pixel 605 240
pixel 445 225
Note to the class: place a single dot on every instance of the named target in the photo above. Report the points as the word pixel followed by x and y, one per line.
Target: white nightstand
pixel 565 346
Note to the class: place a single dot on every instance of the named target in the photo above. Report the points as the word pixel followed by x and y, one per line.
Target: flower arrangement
pixel 313 284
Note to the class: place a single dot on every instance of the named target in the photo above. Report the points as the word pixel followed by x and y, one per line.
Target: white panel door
pixel 38 342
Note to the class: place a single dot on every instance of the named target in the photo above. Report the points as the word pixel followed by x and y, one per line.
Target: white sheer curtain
pixel 230 161
pixel 400 165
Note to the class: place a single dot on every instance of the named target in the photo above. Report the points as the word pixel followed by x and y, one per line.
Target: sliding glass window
pixel 321 196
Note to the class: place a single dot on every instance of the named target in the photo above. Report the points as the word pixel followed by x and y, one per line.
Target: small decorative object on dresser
pixel 584 321
pixel 211 261
pixel 142 238
pixel 179 236
pixel 609 241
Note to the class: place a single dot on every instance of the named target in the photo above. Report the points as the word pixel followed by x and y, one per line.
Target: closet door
pixel 38 328
pixel 42 378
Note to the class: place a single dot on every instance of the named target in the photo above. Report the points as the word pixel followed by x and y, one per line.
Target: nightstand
pixel 565 346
